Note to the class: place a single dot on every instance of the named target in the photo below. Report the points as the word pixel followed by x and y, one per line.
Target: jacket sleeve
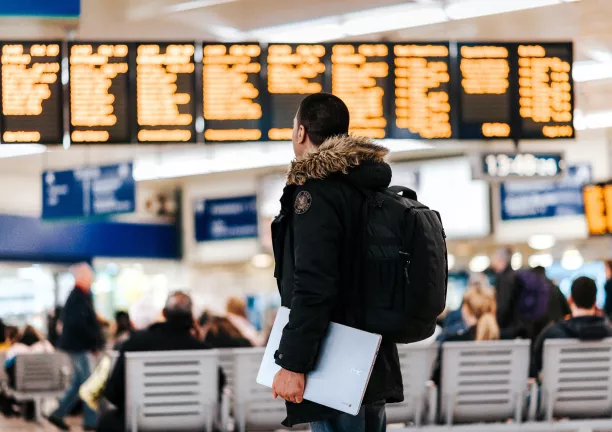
pixel 316 243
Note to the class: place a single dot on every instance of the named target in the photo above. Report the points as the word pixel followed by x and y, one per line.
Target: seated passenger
pixel 30 342
pixel 584 324
pixel 478 311
pixel 175 334
pixel 236 314
pixel 479 291
pixel 123 328
pixel 219 332
pixel 5 340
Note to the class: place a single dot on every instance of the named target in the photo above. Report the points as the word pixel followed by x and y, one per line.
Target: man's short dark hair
pixel 584 292
pixel 323 116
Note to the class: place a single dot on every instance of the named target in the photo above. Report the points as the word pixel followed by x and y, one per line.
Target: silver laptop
pixel 343 368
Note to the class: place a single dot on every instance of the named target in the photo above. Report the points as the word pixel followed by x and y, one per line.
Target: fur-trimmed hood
pixel 338 155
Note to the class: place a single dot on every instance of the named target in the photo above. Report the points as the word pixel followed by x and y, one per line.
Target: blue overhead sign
pixel 226 218
pixel 90 191
pixel 40 8
pixel 545 198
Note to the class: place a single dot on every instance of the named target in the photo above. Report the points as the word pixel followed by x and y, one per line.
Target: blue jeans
pixel 81 372
pixel 371 418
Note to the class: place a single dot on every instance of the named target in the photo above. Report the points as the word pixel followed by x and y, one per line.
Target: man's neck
pixel 583 312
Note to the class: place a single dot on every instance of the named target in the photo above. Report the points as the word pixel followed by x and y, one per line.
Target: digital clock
pixel 505 166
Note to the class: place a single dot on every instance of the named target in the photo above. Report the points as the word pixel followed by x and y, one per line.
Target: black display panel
pixel 32 101
pixel 165 92
pixel 359 76
pixel 546 90
pixel 486 85
pixel 294 72
pixel 231 88
pixel 421 107
pixel 99 92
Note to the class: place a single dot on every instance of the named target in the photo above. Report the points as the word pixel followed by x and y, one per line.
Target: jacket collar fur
pixel 336 155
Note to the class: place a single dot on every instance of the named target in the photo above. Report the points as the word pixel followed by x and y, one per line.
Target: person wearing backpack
pixel 344 248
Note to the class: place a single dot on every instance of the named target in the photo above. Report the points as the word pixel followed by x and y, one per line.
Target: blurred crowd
pixel 526 304
pixel 506 304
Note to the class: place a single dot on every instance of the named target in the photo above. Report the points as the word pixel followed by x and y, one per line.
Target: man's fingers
pixel 274 394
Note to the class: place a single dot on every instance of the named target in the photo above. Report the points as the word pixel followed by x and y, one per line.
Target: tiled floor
pixel 18 425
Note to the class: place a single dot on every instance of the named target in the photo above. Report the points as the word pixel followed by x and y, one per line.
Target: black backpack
pixel 404 272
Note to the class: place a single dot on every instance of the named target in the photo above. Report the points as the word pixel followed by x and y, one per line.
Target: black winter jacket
pixel 81 331
pixel 314 248
pixel 583 328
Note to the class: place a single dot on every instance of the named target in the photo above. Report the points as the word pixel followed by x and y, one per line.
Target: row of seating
pixel 480 382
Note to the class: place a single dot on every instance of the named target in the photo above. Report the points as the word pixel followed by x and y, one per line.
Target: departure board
pixel 359 77
pixel 294 71
pixel 99 93
pixel 32 104
pixel 485 103
pixel 422 105
pixel 598 208
pixel 165 89
pixel 231 87
pixel 545 89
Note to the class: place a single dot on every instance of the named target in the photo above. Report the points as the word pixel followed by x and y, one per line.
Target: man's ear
pixel 301 136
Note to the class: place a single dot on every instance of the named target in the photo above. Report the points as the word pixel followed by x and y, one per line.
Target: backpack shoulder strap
pixel 404 192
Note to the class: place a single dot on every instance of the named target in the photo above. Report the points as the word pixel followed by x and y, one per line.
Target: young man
pixel 584 323
pixel 315 250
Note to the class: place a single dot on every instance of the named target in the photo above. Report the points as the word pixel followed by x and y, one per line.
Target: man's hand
pixel 289 386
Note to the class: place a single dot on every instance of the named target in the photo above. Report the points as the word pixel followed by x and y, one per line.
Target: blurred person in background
pixel 454 322
pixel 174 334
pixel 585 323
pixel 12 334
pixel 608 289
pixel 506 292
pixel 478 311
pixel 236 314
pixel 558 306
pixel 123 327
pixel 219 332
pixel 81 337
pixel 54 323
pixel 28 342
pixel 143 314
pixel 5 342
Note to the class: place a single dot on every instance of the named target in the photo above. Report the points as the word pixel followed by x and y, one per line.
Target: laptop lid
pixel 343 369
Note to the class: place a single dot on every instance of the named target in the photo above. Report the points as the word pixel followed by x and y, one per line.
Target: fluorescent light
pixel 591 70
pixel 378 20
pixel 312 31
pixel 478 8
pixel 15 150
pixel 194 4
pixel 479 263
pixel 541 241
pixel 391 18
pixel 572 260
pixel 516 262
pixel 451 261
pixel 544 260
